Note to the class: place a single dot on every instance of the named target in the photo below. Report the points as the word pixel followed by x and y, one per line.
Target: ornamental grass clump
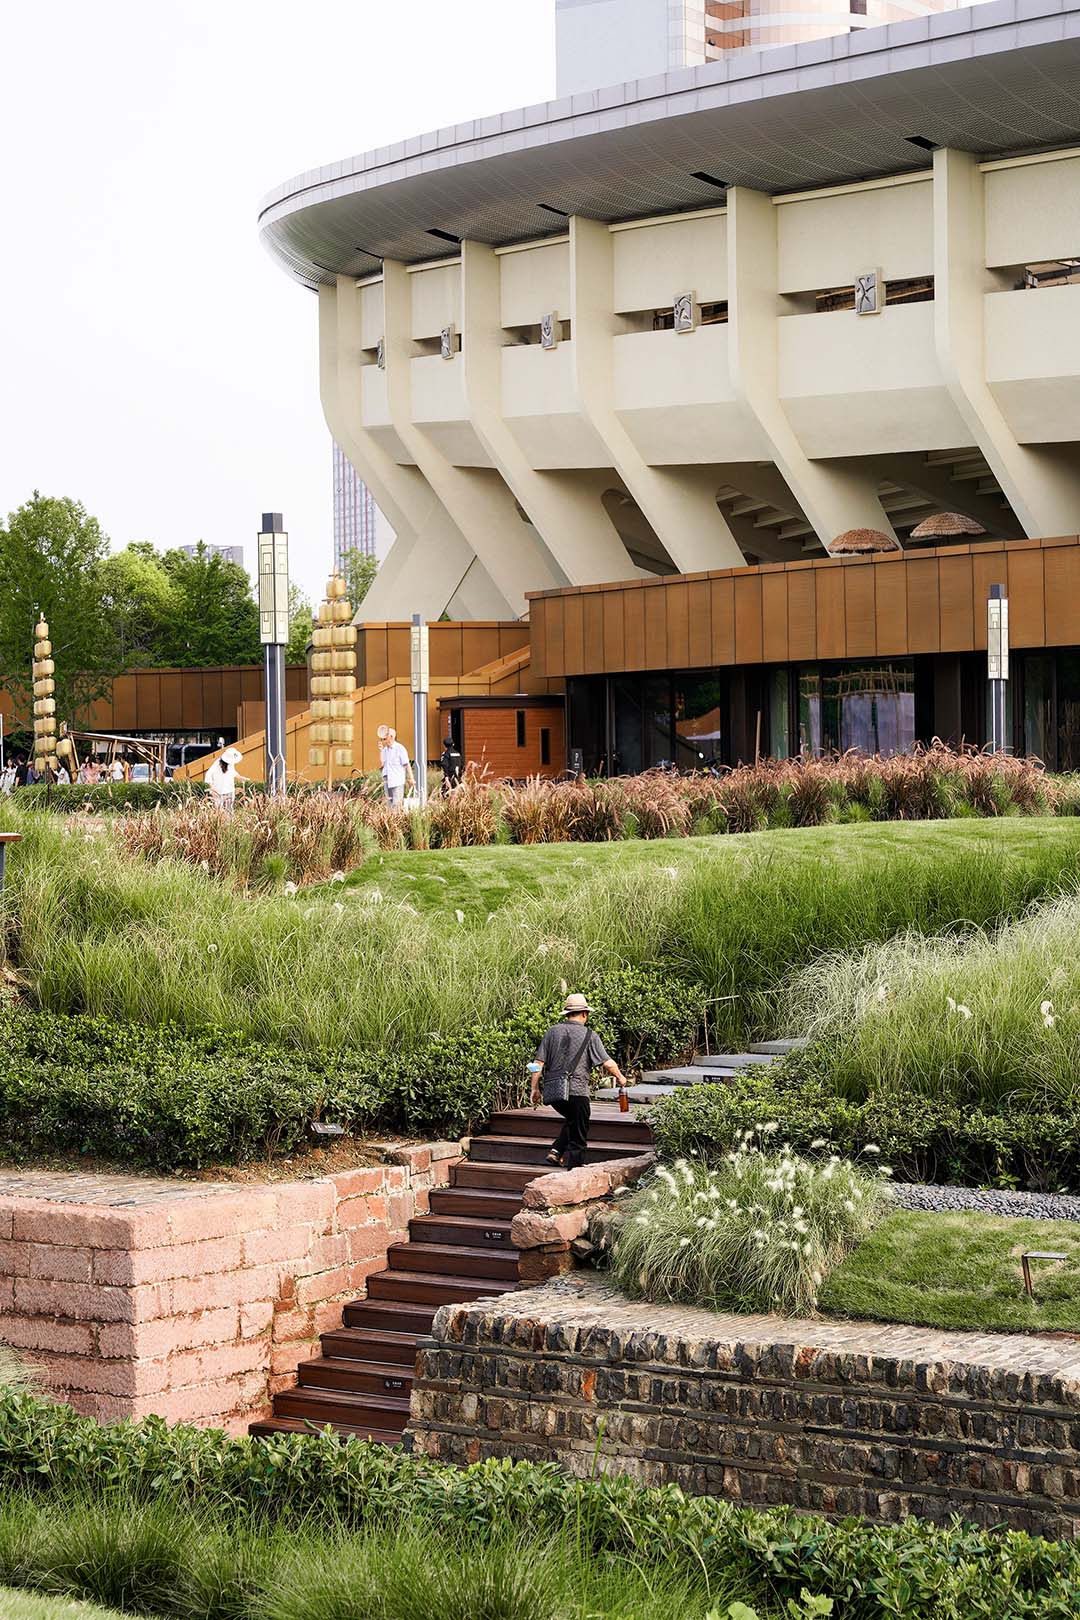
pixel 758 1233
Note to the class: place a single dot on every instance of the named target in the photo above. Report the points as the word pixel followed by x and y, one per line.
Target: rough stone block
pixel 532 1229
pixel 590 1182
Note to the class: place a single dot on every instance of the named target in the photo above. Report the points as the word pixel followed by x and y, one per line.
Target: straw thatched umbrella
pixel 946 526
pixel 855 542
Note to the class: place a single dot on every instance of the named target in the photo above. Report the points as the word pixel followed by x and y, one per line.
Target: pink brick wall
pixel 198 1308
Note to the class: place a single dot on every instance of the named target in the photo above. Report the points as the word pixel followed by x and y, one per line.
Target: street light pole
pixel 419 680
pixel 274 633
pixel 997 663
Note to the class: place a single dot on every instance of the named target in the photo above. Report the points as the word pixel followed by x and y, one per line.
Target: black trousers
pixel 573 1139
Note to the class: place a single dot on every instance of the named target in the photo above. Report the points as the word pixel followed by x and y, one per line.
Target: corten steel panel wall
pixel 885 606
pixel 489 738
pixel 456 648
pixel 181 699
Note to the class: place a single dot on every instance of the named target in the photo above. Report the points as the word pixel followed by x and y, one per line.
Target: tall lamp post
pixel 420 681
pixel 274 633
pixel 997 663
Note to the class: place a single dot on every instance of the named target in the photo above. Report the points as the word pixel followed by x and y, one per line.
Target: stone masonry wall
pixel 834 1417
pixel 193 1301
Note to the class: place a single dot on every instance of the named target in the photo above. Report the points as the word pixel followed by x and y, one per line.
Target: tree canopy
pixel 52 554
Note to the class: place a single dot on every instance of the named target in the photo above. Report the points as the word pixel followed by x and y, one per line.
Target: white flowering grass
pixel 759 1233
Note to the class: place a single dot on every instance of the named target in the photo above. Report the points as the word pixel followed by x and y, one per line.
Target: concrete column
pixel 477 499
pixel 679 503
pixel 834 495
pixel 1041 484
pixel 573 526
pixel 429 557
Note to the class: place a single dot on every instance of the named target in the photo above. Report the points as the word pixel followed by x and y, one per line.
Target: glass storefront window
pixel 779 719
pixel 659 746
pixel 1068 711
pixel 626 725
pixel 699 720
pixel 1039 705
pixel 869 707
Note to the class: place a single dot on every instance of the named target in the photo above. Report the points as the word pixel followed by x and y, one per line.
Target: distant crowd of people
pixel 22 772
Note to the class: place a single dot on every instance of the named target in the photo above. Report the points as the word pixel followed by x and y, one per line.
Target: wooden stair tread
pixel 311 1373
pixel 385 1339
pixel 455 1251
pixel 498 1285
pixel 286 1425
pixel 315 1395
pixel 461 1225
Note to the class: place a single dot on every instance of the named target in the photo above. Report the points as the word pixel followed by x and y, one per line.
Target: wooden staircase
pixel 461 1251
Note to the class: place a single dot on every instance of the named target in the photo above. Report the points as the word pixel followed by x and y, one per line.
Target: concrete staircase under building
pixel 361 1382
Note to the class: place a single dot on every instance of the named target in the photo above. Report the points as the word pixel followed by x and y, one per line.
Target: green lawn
pixel 25 1606
pixel 960 1271
pixel 479 881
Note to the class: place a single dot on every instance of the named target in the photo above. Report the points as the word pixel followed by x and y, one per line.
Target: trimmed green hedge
pixel 166 1100
pixel 924 1139
pixel 916 1571
pixel 66 797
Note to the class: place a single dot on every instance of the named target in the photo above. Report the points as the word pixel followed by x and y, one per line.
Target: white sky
pixel 155 363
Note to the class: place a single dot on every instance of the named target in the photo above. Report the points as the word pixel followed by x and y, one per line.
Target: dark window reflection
pixel 869 707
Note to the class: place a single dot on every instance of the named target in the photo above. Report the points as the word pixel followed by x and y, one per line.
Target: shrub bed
pixel 166 1100
pixel 305 1482
pixel 924 1139
pixel 67 797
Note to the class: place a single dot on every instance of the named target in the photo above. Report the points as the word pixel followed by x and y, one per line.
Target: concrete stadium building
pixel 677 336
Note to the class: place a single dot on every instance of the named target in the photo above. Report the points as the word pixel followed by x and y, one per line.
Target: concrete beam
pixel 1041 484
pixel 833 496
pixel 680 502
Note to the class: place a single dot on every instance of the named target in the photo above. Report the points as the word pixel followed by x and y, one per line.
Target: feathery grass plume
pixel 759 1233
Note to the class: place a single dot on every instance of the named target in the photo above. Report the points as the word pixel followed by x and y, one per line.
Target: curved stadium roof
pixel 994 79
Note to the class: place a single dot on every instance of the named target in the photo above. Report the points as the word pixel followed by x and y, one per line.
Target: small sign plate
pixel 495 1234
pixel 393 1383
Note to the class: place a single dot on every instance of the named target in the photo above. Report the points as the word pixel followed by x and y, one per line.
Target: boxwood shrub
pixel 923 1139
pixel 915 1570
pixel 166 1100
pixel 66 797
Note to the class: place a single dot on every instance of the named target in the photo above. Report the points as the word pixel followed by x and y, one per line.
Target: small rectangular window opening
pixel 545 746
pixel 520 728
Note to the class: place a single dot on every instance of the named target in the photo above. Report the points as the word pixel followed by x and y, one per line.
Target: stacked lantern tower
pixel 44 703
pixel 333 682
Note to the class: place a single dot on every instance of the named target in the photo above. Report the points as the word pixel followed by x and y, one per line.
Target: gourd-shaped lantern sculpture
pixel 44 669
pixel 333 682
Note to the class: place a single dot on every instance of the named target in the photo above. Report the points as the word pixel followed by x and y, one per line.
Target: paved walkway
pixel 587 1302
pixel 107 1191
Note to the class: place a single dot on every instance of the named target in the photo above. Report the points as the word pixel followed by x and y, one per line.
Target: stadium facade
pixel 649 351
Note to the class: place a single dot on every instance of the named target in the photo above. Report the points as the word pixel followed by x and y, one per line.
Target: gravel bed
pixel 1035 1206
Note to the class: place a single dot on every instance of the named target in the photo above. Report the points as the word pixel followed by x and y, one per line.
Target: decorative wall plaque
pixel 380 354
pixel 685 312
pixel 446 342
pixel 869 293
pixel 550 328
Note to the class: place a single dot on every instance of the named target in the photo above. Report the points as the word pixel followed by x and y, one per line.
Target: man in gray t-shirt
pixel 565 1059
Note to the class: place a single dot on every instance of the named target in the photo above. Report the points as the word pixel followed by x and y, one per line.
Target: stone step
pixel 385 1378
pixel 647 1092
pixel 465 1230
pixel 271 1426
pixel 687 1077
pixel 454 1260
pixel 729 1062
pixel 779 1048
pixel 428 1288
pixel 475 1203
pixel 534 1149
pixel 383 1413
pixel 371 1344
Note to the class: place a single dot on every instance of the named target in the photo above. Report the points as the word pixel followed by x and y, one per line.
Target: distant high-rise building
pixel 233 554
pixel 354 511
pixel 601 42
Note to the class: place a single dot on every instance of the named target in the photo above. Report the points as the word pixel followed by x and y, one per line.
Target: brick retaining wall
pixel 831 1416
pixel 193 1301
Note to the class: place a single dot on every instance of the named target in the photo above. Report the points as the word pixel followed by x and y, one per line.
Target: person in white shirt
pixel 222 777
pixel 396 767
pixel 116 770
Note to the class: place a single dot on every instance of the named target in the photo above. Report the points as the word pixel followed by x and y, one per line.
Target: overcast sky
pixel 154 362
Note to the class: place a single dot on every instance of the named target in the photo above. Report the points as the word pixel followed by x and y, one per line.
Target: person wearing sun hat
pixel 222 777
pixel 565 1059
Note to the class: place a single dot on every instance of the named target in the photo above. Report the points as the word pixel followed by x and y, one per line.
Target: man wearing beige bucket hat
pixel 565 1059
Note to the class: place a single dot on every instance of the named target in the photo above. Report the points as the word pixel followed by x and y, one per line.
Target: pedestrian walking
pixel 222 777
pixel 450 763
pixel 397 768
pixel 565 1059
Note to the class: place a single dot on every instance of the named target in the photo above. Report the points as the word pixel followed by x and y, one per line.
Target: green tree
pixel 51 561
pixel 300 626
pixel 216 620
pixel 142 602
pixel 359 570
